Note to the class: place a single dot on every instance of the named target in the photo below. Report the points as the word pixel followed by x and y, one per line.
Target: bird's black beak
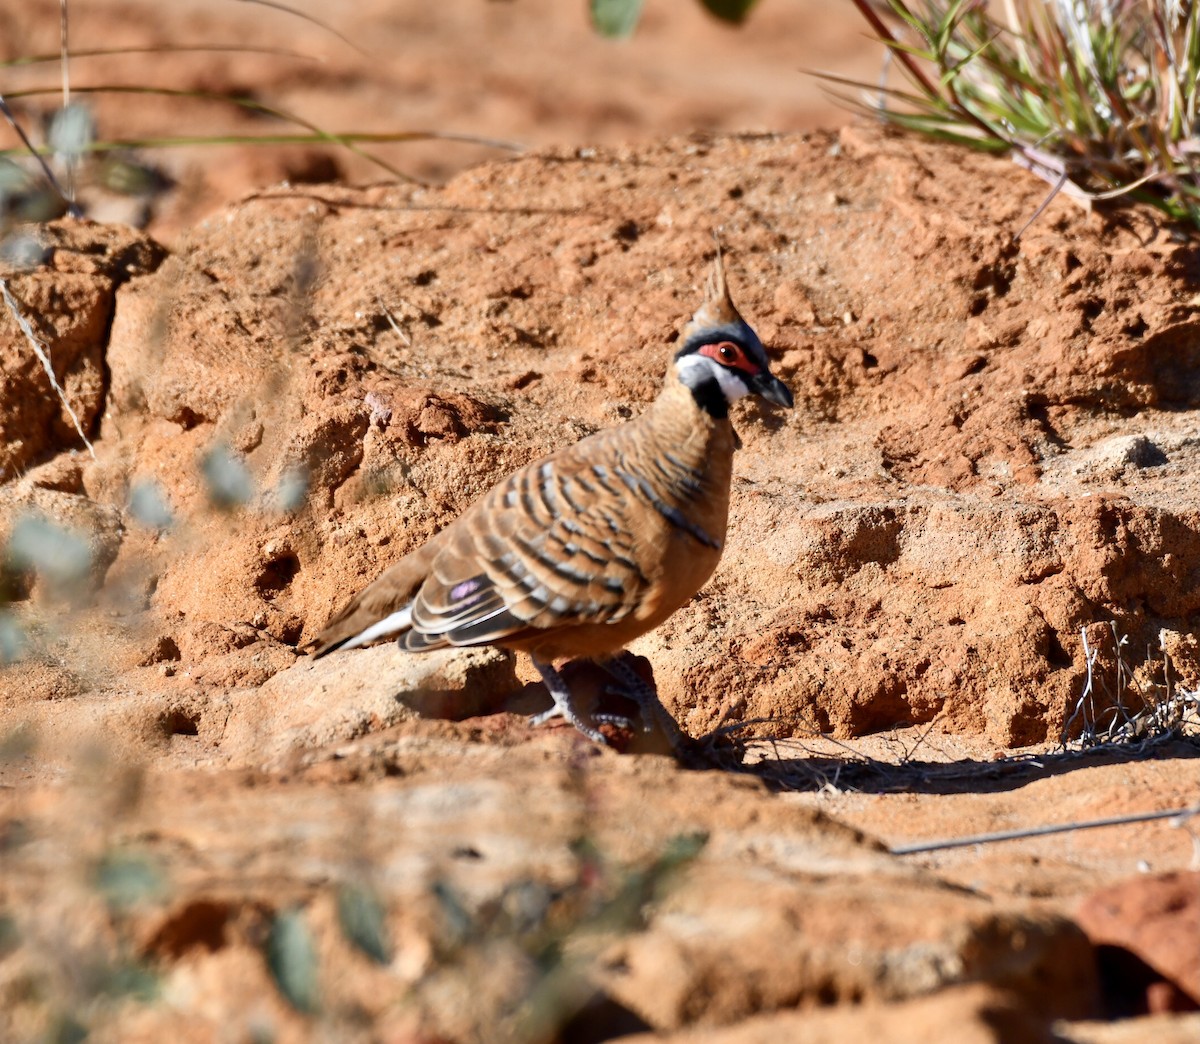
pixel 767 386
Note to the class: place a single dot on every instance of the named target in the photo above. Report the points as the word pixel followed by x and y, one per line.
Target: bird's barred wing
pixel 550 546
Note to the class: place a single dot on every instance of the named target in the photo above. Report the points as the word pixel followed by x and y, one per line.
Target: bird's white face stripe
pixel 395 624
pixel 694 369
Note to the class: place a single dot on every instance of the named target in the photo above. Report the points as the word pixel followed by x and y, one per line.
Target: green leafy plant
pixel 540 942
pixel 563 952
pixel 620 17
pixel 73 980
pixel 1099 97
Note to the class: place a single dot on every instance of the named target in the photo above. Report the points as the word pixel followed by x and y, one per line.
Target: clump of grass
pixel 1121 705
pixel 1099 97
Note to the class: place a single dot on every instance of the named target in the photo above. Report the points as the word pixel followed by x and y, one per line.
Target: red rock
pixel 1156 919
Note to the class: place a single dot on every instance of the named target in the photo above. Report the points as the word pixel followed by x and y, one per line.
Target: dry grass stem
pixel 1039 831
pixel 43 355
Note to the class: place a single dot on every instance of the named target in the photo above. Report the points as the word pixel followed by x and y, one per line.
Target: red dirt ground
pixel 992 459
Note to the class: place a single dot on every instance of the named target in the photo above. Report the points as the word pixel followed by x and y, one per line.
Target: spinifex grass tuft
pixel 1099 97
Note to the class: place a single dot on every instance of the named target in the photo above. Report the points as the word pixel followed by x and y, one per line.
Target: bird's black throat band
pixel 710 398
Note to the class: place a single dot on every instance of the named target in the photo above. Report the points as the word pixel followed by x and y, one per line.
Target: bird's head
pixel 721 358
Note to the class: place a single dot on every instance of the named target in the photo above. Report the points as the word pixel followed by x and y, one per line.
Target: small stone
pixel 163 650
pixel 1130 450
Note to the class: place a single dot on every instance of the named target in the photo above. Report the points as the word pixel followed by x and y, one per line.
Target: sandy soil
pixel 992 461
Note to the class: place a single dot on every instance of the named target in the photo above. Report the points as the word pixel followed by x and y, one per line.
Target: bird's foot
pixel 536 720
pixel 619 689
pixel 594 734
pixel 617 721
pixel 634 687
pixel 563 707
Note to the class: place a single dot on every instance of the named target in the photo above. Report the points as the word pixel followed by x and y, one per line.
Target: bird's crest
pixel 718 289
pixel 718 309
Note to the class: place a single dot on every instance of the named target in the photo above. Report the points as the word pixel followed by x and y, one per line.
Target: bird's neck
pixel 693 434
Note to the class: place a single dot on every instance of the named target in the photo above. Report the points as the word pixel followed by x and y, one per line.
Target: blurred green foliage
pixel 292 959
pixel 620 17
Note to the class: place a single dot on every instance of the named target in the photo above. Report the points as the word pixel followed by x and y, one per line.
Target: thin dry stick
pixel 1016 835
pixel 311 19
pixel 65 52
pixel 73 159
pixel 921 738
pixel 43 355
pixel 1054 191
pixel 1185 815
pixel 1084 704
pixel 393 324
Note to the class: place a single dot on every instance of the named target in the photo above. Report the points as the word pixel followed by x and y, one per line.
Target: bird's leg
pixel 634 687
pixel 562 703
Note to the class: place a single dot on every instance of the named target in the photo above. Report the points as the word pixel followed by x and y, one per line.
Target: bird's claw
pixel 536 720
pixel 624 693
pixel 616 720
pixel 634 687
pixel 595 735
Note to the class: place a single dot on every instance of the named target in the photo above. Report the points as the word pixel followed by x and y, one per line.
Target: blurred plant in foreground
pixel 518 966
pixel 620 17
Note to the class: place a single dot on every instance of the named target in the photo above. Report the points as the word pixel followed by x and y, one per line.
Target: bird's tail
pixel 353 632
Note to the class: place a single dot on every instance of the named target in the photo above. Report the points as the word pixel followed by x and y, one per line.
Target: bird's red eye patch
pixel 729 354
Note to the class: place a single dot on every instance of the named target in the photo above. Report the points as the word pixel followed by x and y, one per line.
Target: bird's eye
pixel 729 354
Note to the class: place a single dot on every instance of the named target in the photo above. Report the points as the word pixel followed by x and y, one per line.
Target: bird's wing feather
pixel 549 546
